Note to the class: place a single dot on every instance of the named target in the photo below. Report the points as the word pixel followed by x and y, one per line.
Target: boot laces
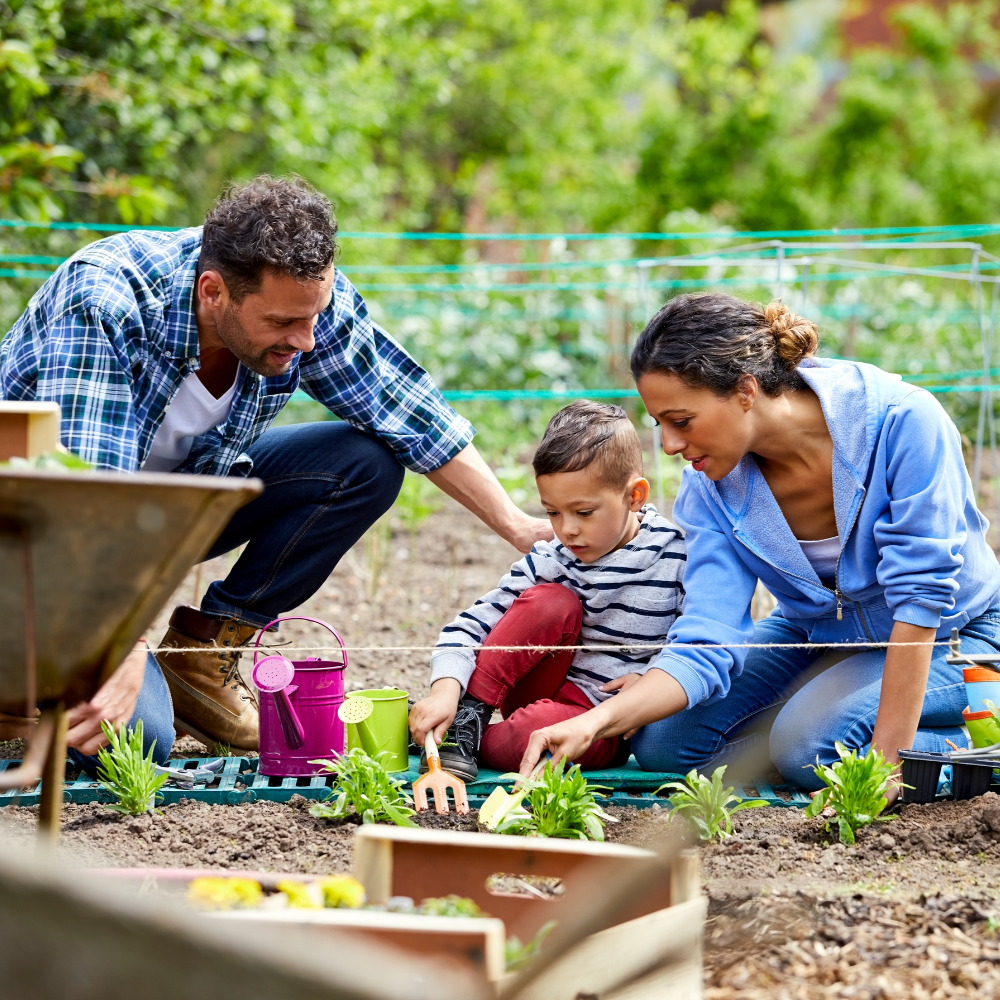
pixel 231 669
pixel 467 729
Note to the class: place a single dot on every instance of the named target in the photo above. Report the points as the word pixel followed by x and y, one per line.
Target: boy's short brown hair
pixel 585 433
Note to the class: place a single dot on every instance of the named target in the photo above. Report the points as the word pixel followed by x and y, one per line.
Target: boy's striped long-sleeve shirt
pixel 631 595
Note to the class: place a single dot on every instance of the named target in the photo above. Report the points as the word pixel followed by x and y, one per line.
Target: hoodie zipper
pixel 836 576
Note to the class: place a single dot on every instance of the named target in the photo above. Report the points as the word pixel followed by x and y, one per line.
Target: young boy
pixel 611 576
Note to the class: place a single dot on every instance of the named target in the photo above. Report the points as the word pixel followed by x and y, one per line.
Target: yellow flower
pixel 300 895
pixel 342 891
pixel 224 893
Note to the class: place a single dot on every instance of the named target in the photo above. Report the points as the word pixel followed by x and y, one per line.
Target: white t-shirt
pixel 192 411
pixel 822 555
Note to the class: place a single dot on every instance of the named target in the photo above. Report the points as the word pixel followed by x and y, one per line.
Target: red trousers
pixel 530 687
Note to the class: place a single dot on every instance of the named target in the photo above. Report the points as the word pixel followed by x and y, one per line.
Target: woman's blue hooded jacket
pixel 913 545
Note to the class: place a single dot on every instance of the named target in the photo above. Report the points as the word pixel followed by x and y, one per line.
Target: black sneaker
pixel 461 742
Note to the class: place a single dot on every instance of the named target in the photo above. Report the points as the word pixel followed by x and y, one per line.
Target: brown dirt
pixel 911 911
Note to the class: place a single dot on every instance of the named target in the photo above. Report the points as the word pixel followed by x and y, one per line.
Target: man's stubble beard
pixel 234 335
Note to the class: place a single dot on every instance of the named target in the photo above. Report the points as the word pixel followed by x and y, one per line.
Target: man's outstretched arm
pixel 469 480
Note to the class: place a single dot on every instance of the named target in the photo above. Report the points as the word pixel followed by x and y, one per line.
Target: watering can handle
pixel 299 618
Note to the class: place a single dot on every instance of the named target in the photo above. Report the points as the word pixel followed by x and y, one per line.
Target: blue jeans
pixel 325 485
pixel 810 711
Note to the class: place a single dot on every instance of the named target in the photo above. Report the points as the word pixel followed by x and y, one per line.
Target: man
pixel 174 352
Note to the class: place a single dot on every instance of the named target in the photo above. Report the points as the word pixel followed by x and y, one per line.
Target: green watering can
pixel 376 722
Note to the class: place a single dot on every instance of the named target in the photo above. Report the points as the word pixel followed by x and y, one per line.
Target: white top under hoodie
pixel 630 595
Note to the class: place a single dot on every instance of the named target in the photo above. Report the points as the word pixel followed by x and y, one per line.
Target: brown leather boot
pixel 212 701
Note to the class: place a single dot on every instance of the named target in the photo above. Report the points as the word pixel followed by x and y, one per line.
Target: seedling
pixel 124 772
pixel 364 788
pixel 222 749
pixel 518 956
pixel 561 805
pixel 706 805
pixel 855 791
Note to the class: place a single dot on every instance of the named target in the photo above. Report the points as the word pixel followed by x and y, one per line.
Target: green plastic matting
pixel 239 782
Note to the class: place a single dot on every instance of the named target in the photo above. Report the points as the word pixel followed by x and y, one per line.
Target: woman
pixel 843 490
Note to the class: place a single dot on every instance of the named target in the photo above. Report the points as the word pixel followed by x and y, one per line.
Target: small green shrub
pixel 125 773
pixel 518 956
pixel 363 788
pixel 560 805
pixel 706 805
pixel 855 791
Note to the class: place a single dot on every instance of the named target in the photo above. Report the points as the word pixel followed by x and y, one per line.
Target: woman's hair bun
pixel 795 338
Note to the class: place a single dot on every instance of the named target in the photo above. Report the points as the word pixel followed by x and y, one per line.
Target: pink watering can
pixel 299 700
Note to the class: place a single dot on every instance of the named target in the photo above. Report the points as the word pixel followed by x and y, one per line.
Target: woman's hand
pixel 114 702
pixel 569 739
pixel 623 684
pixel 435 712
pixel 640 700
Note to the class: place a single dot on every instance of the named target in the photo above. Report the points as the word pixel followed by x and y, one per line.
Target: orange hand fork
pixel 438 781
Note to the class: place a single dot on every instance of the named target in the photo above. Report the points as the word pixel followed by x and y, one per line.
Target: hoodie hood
pixel 855 398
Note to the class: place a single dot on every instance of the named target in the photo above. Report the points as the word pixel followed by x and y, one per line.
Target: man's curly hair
pixel 268 224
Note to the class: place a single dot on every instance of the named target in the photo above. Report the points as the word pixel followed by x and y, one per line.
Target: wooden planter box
pixel 649 951
pixel 652 954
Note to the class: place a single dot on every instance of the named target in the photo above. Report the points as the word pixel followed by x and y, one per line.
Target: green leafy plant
pixel 706 804
pixel 855 791
pixel 124 772
pixel 222 749
pixel 518 956
pixel 364 788
pixel 450 906
pixel 52 461
pixel 561 805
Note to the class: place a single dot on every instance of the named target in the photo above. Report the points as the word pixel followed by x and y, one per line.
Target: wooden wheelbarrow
pixel 86 562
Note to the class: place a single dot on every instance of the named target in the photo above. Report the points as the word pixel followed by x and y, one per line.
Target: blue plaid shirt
pixel 112 334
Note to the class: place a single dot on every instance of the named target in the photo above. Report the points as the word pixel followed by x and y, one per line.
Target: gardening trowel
pixel 185 777
pixel 500 803
pixel 438 781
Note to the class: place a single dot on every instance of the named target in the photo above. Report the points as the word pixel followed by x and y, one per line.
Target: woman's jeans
pixel 325 484
pixel 813 711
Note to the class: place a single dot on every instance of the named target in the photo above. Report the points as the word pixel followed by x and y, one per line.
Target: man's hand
pixel 470 481
pixel 115 702
pixel 531 530
pixel 435 712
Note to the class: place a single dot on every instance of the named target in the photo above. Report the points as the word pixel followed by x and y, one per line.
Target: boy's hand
pixel 435 712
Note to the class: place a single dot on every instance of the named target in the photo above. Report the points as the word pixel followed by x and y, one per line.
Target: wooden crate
pixel 396 861
pixel 27 429
pixel 473 943
pixel 655 957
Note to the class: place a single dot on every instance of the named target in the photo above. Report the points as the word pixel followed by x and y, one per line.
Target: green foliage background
pixel 513 116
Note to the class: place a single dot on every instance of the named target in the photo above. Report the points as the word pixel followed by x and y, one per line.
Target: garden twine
pixel 616 647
